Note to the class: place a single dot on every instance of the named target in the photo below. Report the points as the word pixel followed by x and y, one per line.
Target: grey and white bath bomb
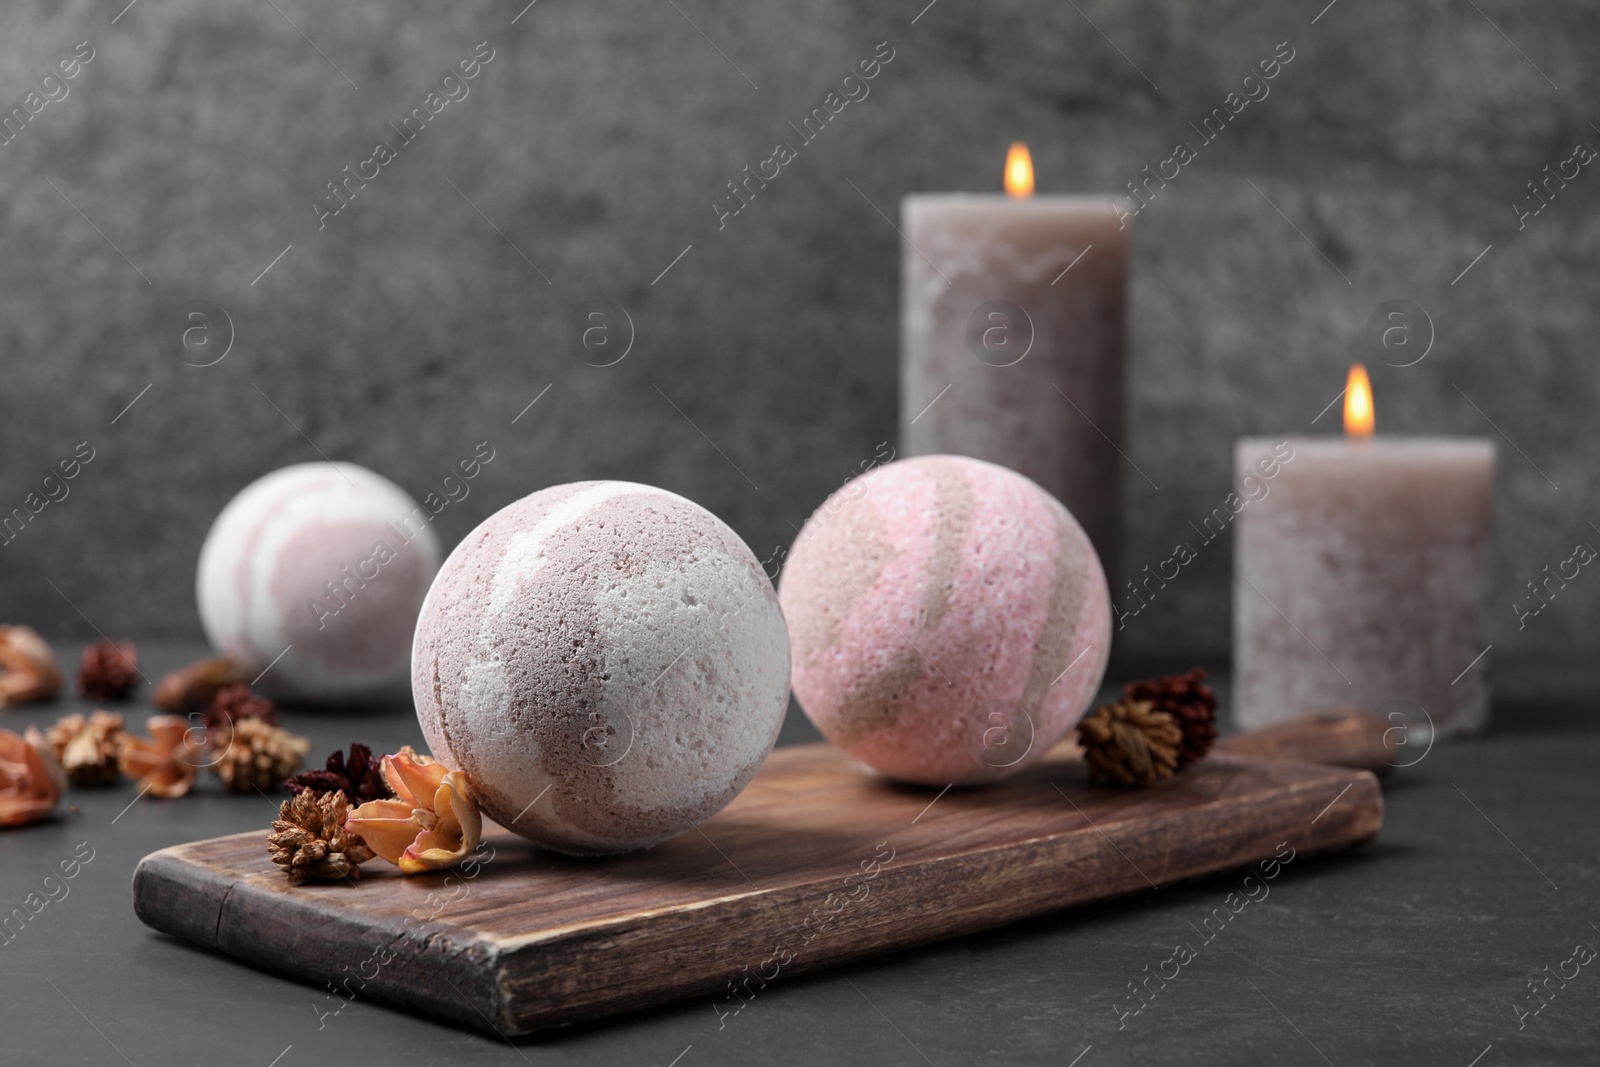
pixel 606 661
pixel 318 571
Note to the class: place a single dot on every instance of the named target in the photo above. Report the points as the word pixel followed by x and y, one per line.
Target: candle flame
pixel 1019 171
pixel 1359 420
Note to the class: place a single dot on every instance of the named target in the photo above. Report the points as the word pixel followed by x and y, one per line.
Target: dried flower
pixel 232 704
pixel 256 755
pixel 1130 743
pixel 28 668
pixel 310 842
pixel 108 670
pixel 1189 700
pixel 87 746
pixel 31 781
pixel 431 824
pixel 360 777
pixel 192 688
pixel 166 762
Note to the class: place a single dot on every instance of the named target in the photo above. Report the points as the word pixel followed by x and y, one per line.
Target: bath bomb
pixel 318 571
pixel 950 620
pixel 606 661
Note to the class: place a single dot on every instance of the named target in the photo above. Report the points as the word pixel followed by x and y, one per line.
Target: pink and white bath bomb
pixel 606 661
pixel 950 620
pixel 324 565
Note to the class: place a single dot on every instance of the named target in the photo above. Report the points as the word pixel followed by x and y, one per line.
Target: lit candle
pixel 1359 574
pixel 1012 336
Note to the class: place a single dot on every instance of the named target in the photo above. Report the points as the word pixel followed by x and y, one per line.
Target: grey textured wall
pixel 596 139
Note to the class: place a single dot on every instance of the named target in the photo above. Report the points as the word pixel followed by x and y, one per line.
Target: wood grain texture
pixel 1346 737
pixel 818 862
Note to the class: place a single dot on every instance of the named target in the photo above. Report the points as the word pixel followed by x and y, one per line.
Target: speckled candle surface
pixel 317 571
pixel 606 661
pixel 1360 578
pixel 1049 409
pixel 950 620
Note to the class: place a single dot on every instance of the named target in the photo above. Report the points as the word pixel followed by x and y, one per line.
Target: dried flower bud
pixel 231 705
pixel 108 670
pixel 1190 701
pixel 360 777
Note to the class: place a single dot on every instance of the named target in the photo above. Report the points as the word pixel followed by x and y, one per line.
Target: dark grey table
pixel 1417 949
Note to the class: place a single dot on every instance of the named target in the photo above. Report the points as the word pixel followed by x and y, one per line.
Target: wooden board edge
pixel 1355 817
pixel 477 981
pixel 172 895
pixel 168 896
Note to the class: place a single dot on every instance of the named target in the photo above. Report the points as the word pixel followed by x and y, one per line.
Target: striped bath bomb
pixel 318 571
pixel 606 661
pixel 950 620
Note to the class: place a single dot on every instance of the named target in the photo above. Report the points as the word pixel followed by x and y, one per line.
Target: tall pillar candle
pixel 1359 578
pixel 1012 342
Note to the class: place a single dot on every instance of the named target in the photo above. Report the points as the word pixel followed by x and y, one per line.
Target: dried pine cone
pixel 87 747
pixel 233 704
pixel 1130 743
pixel 309 841
pixel 256 755
pixel 1188 699
pixel 108 670
pixel 360 778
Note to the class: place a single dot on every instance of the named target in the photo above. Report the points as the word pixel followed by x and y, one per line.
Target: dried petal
pixel 455 835
pixel 167 761
pixel 432 824
pixel 28 668
pixel 413 778
pixel 31 781
pixel 389 827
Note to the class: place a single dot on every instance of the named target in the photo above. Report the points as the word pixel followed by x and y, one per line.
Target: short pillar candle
pixel 1359 579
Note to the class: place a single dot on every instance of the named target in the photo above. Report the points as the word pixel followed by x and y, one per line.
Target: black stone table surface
pixel 1461 937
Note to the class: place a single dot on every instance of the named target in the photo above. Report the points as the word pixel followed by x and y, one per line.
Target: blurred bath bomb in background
pixel 606 661
pixel 329 561
pixel 950 620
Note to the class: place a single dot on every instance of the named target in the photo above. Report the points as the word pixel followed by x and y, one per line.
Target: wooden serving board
pixel 818 862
